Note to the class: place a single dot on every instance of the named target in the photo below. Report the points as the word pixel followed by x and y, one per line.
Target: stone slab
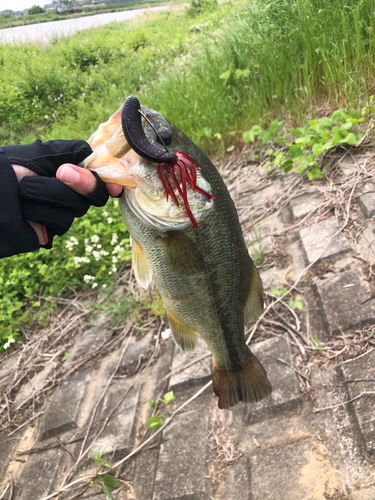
pixel 301 470
pixel 8 448
pixel 285 385
pixel 315 238
pixel 118 435
pixel 197 374
pixel 366 201
pixel 304 204
pixel 62 412
pixel 137 348
pixel 183 459
pixel 270 278
pixel 367 243
pixel 237 482
pixel 363 368
pixel 39 475
pixel 89 340
pixel 345 300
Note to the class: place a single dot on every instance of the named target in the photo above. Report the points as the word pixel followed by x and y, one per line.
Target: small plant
pixel 108 482
pixel 257 254
pixel 155 421
pixel 301 147
pixel 293 304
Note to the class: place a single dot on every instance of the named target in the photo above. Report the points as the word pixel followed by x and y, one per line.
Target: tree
pixel 69 4
pixel 35 9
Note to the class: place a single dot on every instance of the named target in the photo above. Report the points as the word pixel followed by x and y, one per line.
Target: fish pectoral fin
pixel 183 255
pixel 254 302
pixel 184 336
pixel 249 385
pixel 142 269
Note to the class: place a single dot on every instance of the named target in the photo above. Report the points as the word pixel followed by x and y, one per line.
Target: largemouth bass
pixel 186 236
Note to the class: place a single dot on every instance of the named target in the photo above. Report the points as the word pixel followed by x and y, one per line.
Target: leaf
pixel 169 397
pixel 248 137
pixel 296 304
pixel 265 136
pixel 155 422
pixel 246 73
pixel 317 173
pixel 226 75
pixel 295 132
pixel 275 127
pixel 230 148
pixel 278 293
pixel 295 152
pixel 325 122
pixel 111 482
pixel 238 74
pixel 317 149
pixel 103 462
pixel 64 356
pixel 350 139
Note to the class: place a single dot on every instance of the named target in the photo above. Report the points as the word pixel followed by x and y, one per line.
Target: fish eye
pixel 166 135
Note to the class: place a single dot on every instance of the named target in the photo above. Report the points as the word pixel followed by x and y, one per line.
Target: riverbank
pixel 61 16
pixel 49 31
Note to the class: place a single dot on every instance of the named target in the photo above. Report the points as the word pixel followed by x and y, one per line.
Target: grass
pixel 213 73
pixel 270 59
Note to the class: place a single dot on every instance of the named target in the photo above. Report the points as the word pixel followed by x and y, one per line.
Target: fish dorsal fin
pixel 254 303
pixel 184 336
pixel 182 253
pixel 142 269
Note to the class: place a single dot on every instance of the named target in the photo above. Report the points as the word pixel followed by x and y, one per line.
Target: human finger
pixel 79 179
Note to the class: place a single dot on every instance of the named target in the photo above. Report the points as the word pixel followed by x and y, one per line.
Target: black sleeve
pixel 16 235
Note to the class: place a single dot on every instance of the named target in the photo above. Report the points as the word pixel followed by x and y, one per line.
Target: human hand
pixel 53 190
pixel 82 181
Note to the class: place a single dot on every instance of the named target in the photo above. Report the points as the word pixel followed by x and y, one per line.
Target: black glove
pixel 44 158
pixel 41 199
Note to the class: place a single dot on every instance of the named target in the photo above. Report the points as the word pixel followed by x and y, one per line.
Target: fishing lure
pixel 170 164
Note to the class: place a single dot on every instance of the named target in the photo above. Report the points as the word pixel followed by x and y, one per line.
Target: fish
pixel 186 237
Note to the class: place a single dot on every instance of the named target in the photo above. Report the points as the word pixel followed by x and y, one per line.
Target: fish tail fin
pixel 248 385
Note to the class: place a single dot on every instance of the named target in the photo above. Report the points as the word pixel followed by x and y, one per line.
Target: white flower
pixel 109 220
pixel 105 213
pixel 95 238
pixel 114 238
pixel 114 259
pixel 114 269
pixel 96 255
pixel 46 117
pixel 87 278
pixel 117 249
pixel 166 333
pixel 104 286
pixel 6 345
pixel 89 248
pixel 94 285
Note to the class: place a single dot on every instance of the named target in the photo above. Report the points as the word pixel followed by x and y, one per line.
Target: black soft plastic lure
pixel 176 167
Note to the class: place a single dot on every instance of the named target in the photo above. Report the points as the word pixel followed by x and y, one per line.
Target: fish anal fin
pixel 248 385
pixel 182 253
pixel 184 336
pixel 254 302
pixel 142 269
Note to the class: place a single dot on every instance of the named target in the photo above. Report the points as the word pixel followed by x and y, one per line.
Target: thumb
pixel 79 179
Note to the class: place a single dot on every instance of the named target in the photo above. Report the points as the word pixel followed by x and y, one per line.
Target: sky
pixel 21 4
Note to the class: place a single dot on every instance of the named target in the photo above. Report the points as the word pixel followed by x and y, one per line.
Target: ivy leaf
pixel 225 76
pixel 64 356
pixel 169 397
pixel 351 139
pixel 155 422
pixel 238 74
pixel 111 482
pixel 317 149
pixel 295 132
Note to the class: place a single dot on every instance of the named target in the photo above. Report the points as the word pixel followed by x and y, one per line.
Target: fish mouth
pixel 131 149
